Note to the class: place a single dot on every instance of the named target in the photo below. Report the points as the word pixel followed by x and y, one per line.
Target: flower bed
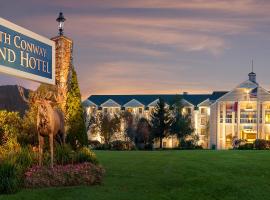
pixel 63 175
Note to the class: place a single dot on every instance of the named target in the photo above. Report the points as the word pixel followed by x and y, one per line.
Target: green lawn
pixel 195 175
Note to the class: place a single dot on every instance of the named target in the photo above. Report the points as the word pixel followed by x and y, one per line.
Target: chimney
pixel 185 93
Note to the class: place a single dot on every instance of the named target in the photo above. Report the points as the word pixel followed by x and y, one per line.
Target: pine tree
pixel 160 121
pixel 181 124
pixel 76 130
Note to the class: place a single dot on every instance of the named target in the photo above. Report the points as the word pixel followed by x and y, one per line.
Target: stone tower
pixel 63 63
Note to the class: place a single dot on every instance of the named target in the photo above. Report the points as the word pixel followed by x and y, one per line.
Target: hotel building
pixel 218 118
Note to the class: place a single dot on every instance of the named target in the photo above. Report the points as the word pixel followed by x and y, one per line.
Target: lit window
pixel 140 110
pixel 203 131
pixel 203 121
pixel 203 110
pixel 267 117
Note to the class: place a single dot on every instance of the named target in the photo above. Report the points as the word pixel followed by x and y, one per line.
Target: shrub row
pixel 118 145
pixel 258 144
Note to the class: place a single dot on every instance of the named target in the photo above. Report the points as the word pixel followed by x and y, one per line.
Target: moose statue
pixel 50 120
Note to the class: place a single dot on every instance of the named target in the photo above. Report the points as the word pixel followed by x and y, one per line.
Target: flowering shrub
pixel 67 175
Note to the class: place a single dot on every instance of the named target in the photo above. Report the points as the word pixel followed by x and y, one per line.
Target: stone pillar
pixel 63 66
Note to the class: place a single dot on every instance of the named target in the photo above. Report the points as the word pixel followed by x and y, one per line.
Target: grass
pixel 139 175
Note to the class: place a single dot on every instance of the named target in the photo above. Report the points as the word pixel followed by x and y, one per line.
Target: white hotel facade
pixel 218 118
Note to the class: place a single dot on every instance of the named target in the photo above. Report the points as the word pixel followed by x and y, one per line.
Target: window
pixel 111 111
pixel 140 110
pixel 267 117
pixel 203 131
pixel 117 110
pixel 105 110
pixel 203 121
pixel 164 144
pixel 203 111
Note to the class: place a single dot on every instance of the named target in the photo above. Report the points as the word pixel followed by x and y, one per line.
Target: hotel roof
pixel 146 99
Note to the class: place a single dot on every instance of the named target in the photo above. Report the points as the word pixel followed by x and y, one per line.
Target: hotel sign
pixel 26 54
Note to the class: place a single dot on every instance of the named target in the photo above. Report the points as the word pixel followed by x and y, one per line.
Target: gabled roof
pixel 133 103
pixel 88 103
pixel 146 99
pixel 110 103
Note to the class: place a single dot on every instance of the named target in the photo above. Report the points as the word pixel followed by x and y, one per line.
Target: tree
pixel 109 126
pixel 143 132
pixel 161 120
pixel 76 130
pixel 129 125
pixel 181 124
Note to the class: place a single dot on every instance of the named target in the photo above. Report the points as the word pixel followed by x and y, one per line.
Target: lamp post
pixel 61 21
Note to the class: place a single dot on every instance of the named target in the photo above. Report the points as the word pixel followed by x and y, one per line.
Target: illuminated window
pixel 140 110
pixel 203 121
pixel 203 110
pixel 203 131
pixel 267 117
pixel 164 144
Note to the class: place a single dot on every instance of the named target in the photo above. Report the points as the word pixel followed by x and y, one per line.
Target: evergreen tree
pixel 160 121
pixel 76 130
pixel 143 132
pixel 181 124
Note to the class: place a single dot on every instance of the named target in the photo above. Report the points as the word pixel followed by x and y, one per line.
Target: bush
pixel 246 146
pixel 122 145
pixel 261 144
pixel 94 143
pixel 103 147
pixel 9 182
pixel 63 154
pixel 189 144
pixel 24 159
pixel 84 154
pixel 68 175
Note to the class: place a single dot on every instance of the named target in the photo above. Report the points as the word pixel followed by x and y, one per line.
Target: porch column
pixel 263 121
pixel 258 135
pixel 233 123
pixel 238 120
pixel 224 126
pixel 218 126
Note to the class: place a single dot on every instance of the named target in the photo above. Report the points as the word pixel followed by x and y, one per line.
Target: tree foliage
pixel 181 124
pixel 143 132
pixel 161 120
pixel 109 126
pixel 76 130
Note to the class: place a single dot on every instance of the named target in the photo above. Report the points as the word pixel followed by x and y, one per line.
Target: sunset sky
pixel 154 46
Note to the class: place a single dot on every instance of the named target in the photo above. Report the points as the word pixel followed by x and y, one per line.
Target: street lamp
pixel 61 20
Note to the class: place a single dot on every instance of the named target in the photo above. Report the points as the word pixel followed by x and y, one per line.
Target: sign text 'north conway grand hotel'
pixel 26 54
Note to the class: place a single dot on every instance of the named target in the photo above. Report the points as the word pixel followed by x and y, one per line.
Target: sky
pixel 154 46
